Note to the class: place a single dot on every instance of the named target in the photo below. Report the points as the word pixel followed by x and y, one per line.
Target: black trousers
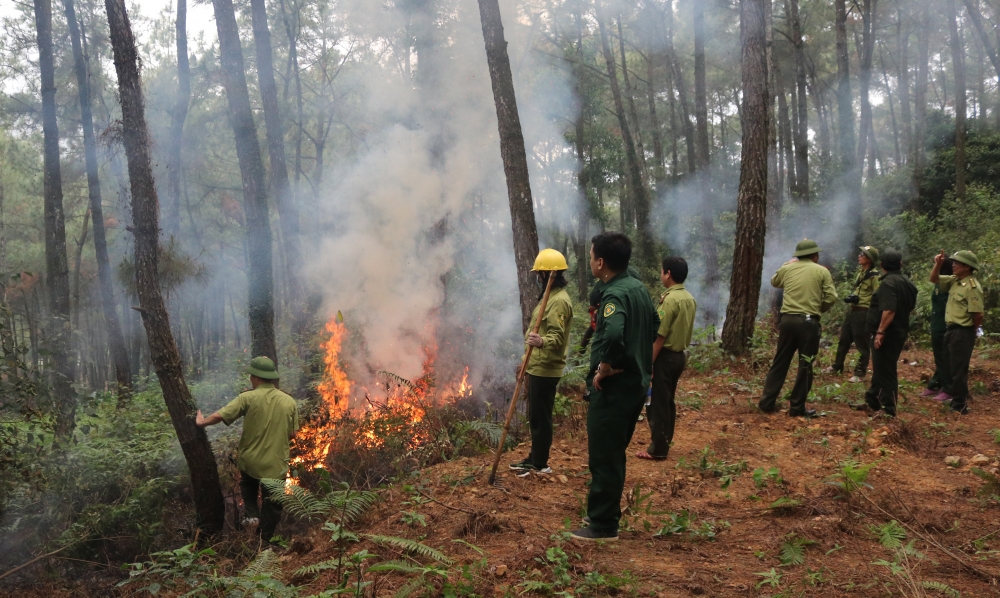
pixel 854 331
pixel 959 342
pixel 795 334
pixel 269 513
pixel 885 379
pixel 661 413
pixel 541 400
pixel 611 420
pixel 942 368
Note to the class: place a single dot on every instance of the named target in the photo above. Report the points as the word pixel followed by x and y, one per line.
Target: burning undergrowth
pixel 366 425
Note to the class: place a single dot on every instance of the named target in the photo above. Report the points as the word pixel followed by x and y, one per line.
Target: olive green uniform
pixel 853 330
pixel 965 298
pixel 896 294
pixel 270 418
pixel 545 368
pixel 942 368
pixel 809 292
pixel 677 310
pixel 626 329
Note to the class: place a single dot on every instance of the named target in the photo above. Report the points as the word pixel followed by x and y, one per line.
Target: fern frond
pixel 890 535
pixel 350 505
pixel 410 586
pixel 266 563
pixel 316 567
pixel 792 553
pixel 489 431
pixel 296 500
pixel 389 377
pixel 410 546
pixel 941 587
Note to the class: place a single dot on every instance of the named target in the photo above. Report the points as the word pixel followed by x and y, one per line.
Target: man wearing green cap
pixel 963 315
pixel 888 321
pixel 270 418
pixel 809 292
pixel 853 329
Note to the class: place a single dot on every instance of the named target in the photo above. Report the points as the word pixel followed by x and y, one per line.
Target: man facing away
pixel 270 418
pixel 677 310
pixel 809 292
pixel 963 315
pixel 888 323
pixel 854 329
pixel 621 360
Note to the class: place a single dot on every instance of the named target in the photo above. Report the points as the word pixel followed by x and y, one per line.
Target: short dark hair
pixel 614 248
pixel 677 266
pixel 947 267
pixel 892 260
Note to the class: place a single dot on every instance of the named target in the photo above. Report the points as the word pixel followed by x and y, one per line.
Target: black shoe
pixel 963 410
pixel 808 414
pixel 525 465
pixel 862 407
pixel 587 534
pixel 768 411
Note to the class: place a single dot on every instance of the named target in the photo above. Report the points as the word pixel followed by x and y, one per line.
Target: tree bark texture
pixel 686 126
pixel 802 127
pixel 166 360
pixel 56 264
pixel 751 211
pixel 630 98
pixel 774 191
pixel 958 67
pixel 977 21
pixel 710 252
pixel 116 341
pixel 640 194
pixel 288 213
pixel 868 12
pixel 175 163
pixel 920 102
pixel 785 142
pixel 903 81
pixel 515 161
pixel 260 275
pixel 845 106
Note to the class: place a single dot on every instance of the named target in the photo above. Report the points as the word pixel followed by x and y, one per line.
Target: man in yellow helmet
pixel 548 359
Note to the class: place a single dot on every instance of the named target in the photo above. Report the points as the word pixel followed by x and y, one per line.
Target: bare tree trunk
pixel 260 283
pixel 80 243
pixel 845 106
pixel 903 82
pixel 751 211
pixel 56 266
pixel 640 194
pixel 659 172
pixel 288 213
pixel 802 129
pixel 686 125
pixel 709 250
pixel 630 96
pixel 293 58
pixel 116 341
pixel 163 350
pixel 774 191
pixel 958 66
pixel 515 161
pixel 977 21
pixel 581 246
pixel 785 129
pixel 867 52
pixel 920 103
pixel 892 110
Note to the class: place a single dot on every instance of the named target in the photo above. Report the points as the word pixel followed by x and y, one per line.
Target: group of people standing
pixel 877 323
pixel 634 343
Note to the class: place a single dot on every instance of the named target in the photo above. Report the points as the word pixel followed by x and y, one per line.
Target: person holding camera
pixel 888 322
pixel 853 328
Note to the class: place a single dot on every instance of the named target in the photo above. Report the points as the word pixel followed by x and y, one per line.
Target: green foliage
pixel 709 465
pixel 793 550
pixel 769 578
pixel 991 484
pixel 683 523
pixel 344 505
pixel 995 434
pixel 942 587
pixel 851 476
pixel 889 535
pixel 411 546
pixel 761 477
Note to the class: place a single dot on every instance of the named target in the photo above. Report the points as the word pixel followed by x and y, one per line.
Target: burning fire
pixel 405 403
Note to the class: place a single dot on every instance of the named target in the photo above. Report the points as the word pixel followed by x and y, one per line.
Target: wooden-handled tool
pixel 520 379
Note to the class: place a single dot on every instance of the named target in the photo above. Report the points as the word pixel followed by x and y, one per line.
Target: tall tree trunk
pixel 709 250
pixel 845 104
pixel 175 162
pixel 260 283
pixel 640 195
pixel 292 33
pixel 630 97
pixel 288 213
pixel 194 443
pixel 892 110
pixel 751 211
pixel 977 21
pixel 659 171
pixel 774 191
pixel 56 266
pixel 903 82
pixel 515 161
pixel 958 66
pixel 81 242
pixel 583 275
pixel 116 340
pixel 686 124
pixel 920 102
pixel 785 129
pixel 867 51
pixel 802 130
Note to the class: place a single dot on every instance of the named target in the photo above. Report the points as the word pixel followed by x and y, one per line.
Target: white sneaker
pixel 855 379
pixel 828 370
pixel 527 472
pixel 250 522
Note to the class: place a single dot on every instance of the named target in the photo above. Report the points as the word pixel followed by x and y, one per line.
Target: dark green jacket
pixel 939 301
pixel 626 329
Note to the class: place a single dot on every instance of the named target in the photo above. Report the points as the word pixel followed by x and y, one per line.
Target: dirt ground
pixel 936 504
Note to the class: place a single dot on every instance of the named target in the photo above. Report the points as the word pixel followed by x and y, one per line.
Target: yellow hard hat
pixel 548 260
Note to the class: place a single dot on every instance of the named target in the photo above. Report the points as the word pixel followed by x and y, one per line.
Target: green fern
pixel 350 505
pixel 345 505
pixel 991 486
pixel 410 546
pixel 890 535
pixel 944 588
pixel 785 502
pixel 793 550
pixel 409 568
pixel 315 568
pixel 266 564
pixel 488 431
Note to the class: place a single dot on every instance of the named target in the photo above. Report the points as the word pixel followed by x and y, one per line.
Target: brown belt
pixel 856 308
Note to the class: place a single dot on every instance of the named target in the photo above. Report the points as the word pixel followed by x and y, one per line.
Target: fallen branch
pixel 34 560
pixel 432 499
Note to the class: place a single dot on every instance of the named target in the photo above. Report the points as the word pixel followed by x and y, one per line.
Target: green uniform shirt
pixel 270 417
pixel 897 294
pixel 965 297
pixel 865 286
pixel 549 360
pixel 808 288
pixel 626 329
pixel 676 311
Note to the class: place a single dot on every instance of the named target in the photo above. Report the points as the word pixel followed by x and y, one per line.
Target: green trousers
pixel 854 331
pixel 611 422
pixel 942 367
pixel 959 341
pixel 661 413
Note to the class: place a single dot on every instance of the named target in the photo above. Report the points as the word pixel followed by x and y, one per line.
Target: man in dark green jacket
pixel 853 329
pixel 621 361
pixel 942 371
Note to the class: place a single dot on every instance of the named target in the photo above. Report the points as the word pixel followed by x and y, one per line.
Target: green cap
pixel 966 257
pixel 806 247
pixel 870 252
pixel 264 368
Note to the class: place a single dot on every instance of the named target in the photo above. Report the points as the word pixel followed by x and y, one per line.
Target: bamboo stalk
pixel 520 379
